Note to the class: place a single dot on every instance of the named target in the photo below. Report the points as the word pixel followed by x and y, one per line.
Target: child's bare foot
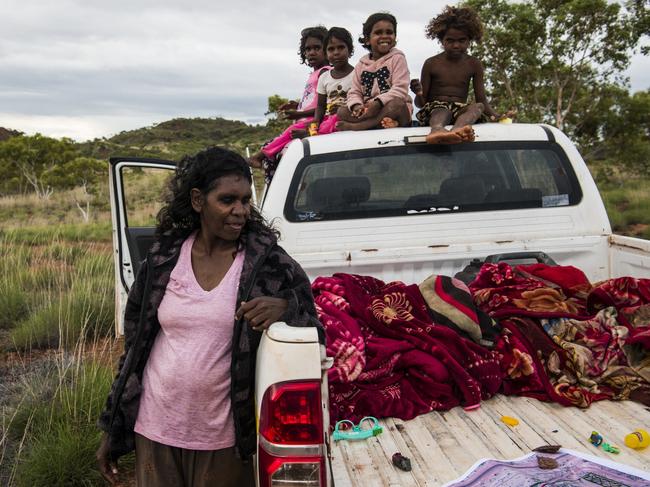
pixel 466 133
pixel 256 160
pixel 443 137
pixel 389 123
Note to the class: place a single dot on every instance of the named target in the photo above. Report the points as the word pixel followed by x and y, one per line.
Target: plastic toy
pixel 611 448
pixel 638 439
pixel 595 439
pixel 356 431
pixel 510 421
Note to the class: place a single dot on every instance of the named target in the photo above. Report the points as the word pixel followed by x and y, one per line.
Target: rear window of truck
pixel 424 179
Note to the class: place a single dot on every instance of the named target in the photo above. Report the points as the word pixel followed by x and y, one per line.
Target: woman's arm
pixel 293 303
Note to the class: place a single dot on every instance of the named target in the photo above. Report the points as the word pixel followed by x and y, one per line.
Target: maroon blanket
pixel 565 339
pixel 390 359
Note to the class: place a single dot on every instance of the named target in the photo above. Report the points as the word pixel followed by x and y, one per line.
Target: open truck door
pixel 136 188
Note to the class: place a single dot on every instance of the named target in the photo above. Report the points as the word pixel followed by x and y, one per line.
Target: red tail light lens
pixel 291 413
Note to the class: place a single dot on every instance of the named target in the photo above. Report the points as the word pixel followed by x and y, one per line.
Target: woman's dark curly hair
pixel 464 19
pixel 342 35
pixel 202 171
pixel 370 23
pixel 319 32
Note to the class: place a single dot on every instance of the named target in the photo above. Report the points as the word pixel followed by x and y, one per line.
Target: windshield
pixel 411 180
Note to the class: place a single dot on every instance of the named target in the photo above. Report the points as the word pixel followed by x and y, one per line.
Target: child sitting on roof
pixel 311 53
pixel 379 94
pixel 442 90
pixel 333 86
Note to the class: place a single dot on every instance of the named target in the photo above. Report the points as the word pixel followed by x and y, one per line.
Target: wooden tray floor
pixel 444 445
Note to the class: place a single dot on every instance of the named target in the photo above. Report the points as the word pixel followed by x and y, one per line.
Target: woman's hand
pixel 107 468
pixel 262 312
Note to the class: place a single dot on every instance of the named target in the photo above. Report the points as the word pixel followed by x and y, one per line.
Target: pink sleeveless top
pixel 309 98
pixel 186 382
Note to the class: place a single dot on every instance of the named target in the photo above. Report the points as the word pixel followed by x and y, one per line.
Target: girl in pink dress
pixel 312 54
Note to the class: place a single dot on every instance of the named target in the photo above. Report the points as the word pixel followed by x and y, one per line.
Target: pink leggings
pixel 327 126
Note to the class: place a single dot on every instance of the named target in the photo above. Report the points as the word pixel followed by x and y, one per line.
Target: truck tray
pixel 444 445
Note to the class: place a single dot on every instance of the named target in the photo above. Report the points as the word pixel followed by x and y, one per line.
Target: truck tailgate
pixel 443 445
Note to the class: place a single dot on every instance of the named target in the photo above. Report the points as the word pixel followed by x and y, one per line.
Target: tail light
pixel 291 444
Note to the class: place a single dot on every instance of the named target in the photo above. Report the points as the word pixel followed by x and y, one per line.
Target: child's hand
pixel 416 87
pixel 292 114
pixel 358 110
pixel 290 105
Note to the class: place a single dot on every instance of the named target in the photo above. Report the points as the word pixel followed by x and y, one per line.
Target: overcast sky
pixel 85 69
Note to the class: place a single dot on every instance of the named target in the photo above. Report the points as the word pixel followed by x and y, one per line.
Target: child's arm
pixel 479 92
pixel 400 79
pixel 320 108
pixel 421 87
pixel 354 100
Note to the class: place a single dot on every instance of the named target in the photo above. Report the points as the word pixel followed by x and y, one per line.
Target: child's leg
pixel 344 113
pixel 439 134
pixel 394 109
pixel 467 116
pixel 328 125
pixel 277 144
pixel 395 114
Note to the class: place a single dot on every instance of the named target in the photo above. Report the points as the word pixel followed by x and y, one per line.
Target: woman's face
pixel 225 209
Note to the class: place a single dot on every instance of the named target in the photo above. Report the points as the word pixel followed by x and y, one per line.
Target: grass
pixel 627 201
pixel 55 422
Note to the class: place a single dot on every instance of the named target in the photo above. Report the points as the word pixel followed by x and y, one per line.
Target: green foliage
pixel 80 171
pixel 81 307
pixel 64 456
pixel 627 201
pixel 25 159
pixel 552 59
pixel 57 419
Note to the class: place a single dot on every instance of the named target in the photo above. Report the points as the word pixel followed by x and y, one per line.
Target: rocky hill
pixel 180 136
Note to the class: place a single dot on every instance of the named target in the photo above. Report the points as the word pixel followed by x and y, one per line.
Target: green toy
pixel 356 431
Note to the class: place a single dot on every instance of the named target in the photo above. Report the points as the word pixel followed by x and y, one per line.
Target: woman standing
pixel 214 279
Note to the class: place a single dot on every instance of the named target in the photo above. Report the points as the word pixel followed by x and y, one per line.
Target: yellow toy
pixel 510 421
pixel 638 439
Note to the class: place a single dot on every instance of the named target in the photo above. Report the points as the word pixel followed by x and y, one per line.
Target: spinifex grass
pixel 55 419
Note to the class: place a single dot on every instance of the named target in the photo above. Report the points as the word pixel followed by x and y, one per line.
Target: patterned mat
pixel 574 469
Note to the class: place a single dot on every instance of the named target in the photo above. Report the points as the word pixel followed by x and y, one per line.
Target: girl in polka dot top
pixel 380 86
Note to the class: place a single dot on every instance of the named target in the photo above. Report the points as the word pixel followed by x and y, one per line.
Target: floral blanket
pixel 561 338
pixel 390 359
pixel 565 339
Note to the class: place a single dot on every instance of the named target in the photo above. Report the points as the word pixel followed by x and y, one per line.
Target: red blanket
pixel 565 339
pixel 390 359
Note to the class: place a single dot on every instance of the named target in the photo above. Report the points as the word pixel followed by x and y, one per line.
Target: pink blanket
pixel 390 358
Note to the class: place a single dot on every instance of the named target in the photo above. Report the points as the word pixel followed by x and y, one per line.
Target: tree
pixel 26 159
pixel 554 59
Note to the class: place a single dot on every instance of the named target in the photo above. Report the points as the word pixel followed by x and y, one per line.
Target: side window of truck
pixel 394 181
pixel 143 189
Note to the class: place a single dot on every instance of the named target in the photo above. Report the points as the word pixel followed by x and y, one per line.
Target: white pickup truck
pixel 385 204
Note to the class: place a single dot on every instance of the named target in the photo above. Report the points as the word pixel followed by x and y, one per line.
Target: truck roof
pixel 485 132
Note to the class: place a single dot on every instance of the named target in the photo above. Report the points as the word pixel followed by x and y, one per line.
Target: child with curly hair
pixel 442 90
pixel 379 94
pixel 311 53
